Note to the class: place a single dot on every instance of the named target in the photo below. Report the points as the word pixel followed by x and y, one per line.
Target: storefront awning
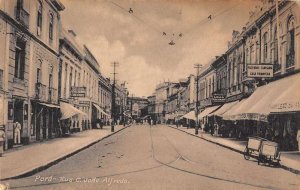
pixel 289 100
pixel 191 115
pixel 234 110
pixel 278 96
pixel 207 111
pixel 49 105
pixel 100 110
pixel 224 109
pixel 68 111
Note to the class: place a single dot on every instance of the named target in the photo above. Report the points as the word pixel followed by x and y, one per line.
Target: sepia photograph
pixel 149 94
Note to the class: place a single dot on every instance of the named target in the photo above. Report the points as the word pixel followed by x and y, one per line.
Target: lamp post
pixel 197 66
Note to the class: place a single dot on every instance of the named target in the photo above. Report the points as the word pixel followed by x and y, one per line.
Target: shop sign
pixel 218 98
pixel 78 91
pixel 84 103
pixel 288 106
pixel 252 116
pixel 260 71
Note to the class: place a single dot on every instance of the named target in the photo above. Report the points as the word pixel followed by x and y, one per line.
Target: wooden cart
pixel 253 147
pixel 269 153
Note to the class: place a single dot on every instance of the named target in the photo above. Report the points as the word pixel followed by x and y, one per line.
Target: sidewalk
pixel 289 160
pixel 35 157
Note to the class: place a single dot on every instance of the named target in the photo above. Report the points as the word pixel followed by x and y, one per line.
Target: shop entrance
pixel 18 117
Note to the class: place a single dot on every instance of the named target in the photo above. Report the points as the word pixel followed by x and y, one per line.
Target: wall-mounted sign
pixel 84 103
pixel 260 71
pixel 78 91
pixel 218 98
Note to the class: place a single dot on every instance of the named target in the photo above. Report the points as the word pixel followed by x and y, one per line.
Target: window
pixel 51 76
pixel 70 79
pixel 1 79
pixel 39 72
pixel 290 53
pixel 265 41
pixel 277 65
pixel 65 82
pixel 51 20
pixel 39 18
pixel 20 59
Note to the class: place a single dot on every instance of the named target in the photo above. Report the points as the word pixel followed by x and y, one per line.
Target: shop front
pixel 272 112
pixel 70 118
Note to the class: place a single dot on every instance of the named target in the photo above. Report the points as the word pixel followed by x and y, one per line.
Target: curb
pixel 33 171
pixel 295 171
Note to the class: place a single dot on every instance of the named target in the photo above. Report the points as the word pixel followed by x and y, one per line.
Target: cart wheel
pixel 246 154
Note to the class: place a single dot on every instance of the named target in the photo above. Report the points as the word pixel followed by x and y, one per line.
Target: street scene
pixel 157 157
pixel 157 94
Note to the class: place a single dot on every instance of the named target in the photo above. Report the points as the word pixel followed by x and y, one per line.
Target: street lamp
pixel 197 66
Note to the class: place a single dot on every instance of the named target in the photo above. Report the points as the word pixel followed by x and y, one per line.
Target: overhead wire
pixel 171 36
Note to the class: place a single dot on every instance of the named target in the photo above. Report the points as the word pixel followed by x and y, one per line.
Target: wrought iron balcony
pixel 52 95
pixel 22 16
pixel 40 91
pixel 290 60
pixel 277 66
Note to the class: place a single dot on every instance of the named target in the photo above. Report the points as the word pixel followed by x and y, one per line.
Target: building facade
pixel 30 47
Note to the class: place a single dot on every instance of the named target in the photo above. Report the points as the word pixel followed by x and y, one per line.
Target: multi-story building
pixel 29 73
pixel 137 106
pixel 120 102
pixel 151 106
pixel 71 88
pixel 90 77
pixel 160 101
pixel 104 98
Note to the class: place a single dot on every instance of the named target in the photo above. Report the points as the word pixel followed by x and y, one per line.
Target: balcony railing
pixel 52 95
pixel 40 91
pixel 22 16
pixel 277 66
pixel 290 60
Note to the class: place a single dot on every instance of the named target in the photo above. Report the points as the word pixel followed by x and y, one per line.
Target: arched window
pixel 290 53
pixel 39 18
pixel 265 41
pixel 51 20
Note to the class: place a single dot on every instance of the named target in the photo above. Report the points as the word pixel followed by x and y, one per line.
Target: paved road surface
pixel 160 157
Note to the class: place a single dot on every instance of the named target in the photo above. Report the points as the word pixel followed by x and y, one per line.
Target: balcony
pixel 52 95
pixel 22 16
pixel 290 60
pixel 277 66
pixel 40 91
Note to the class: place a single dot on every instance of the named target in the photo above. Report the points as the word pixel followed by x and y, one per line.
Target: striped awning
pixel 67 111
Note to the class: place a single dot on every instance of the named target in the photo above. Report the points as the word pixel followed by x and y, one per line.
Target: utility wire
pixel 172 36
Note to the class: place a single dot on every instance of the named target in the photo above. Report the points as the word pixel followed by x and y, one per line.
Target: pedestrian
pixel 17 133
pixel 2 139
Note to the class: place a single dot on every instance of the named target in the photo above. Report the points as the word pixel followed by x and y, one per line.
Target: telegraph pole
pixel 113 102
pixel 197 66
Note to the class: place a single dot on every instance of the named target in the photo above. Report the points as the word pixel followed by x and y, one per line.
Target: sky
pixel 135 40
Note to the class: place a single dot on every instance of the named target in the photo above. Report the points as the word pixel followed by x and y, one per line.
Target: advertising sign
pixel 260 71
pixel 78 91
